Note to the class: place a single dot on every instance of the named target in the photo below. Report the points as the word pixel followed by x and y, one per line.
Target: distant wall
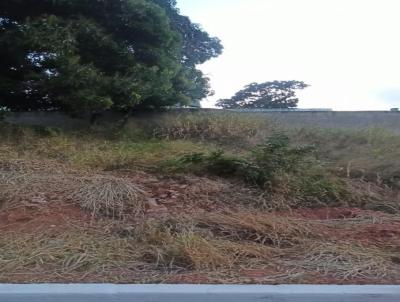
pixel 325 119
pixel 337 119
pixel 47 119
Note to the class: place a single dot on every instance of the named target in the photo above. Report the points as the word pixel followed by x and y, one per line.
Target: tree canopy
pixel 92 55
pixel 268 95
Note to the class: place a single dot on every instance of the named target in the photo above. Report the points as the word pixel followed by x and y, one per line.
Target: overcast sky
pixel 347 50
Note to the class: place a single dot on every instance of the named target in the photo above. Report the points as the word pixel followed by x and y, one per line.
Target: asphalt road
pixel 196 293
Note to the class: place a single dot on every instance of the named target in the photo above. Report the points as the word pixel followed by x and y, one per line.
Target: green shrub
pixel 46 131
pixel 230 166
pixel 3 113
pixel 277 155
pixel 267 160
pixel 315 187
pixel 219 164
pixel 276 167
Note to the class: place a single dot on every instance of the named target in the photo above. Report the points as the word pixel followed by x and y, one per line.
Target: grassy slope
pixel 141 224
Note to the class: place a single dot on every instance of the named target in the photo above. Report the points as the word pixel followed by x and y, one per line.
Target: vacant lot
pixel 199 198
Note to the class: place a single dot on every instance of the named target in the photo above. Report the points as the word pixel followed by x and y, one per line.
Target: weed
pixel 293 172
pixel 215 226
pixel 110 196
pixel 276 155
pixel 312 188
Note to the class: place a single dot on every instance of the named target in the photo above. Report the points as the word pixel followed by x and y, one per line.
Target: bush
pixel 276 155
pixel 311 188
pixel 267 160
pixel 3 113
pixel 232 166
pixel 45 131
pixel 275 166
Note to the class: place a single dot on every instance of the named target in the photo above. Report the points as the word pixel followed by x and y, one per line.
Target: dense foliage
pixel 268 95
pixel 92 55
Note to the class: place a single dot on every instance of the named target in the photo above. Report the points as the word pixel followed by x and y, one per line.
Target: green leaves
pixel 86 56
pixel 266 162
pixel 268 95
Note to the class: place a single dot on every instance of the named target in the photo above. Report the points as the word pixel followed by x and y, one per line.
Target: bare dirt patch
pixel 56 217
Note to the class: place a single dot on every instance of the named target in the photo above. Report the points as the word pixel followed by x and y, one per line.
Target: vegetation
pixel 219 127
pixel 268 95
pixel 266 161
pixel 198 199
pixel 367 154
pixel 3 113
pixel 172 197
pixel 89 56
pixel 272 166
pixel 296 168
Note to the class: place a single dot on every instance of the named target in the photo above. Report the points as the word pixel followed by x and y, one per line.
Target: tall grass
pixel 224 127
pixel 220 225
pixel 87 148
pixel 370 154
pixel 276 166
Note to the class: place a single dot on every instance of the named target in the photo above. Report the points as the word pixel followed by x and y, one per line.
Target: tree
pixel 268 95
pixel 197 48
pixel 86 56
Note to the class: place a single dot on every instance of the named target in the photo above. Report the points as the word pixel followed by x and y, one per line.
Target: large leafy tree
pixel 92 55
pixel 268 95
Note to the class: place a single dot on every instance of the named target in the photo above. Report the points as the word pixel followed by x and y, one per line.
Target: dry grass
pixel 248 254
pixel 372 196
pixel 153 250
pixel 227 127
pixel 34 182
pixel 370 154
pixel 187 250
pixel 110 196
pixel 203 190
pixel 70 256
pixel 227 227
pixel 345 260
pixel 24 183
pixel 263 228
pixel 180 244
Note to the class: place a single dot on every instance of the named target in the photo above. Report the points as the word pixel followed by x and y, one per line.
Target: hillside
pixel 199 198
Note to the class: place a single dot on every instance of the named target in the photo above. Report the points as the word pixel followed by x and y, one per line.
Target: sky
pixel 347 50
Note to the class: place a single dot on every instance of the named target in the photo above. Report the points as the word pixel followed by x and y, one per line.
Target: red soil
pixel 350 225
pixel 364 227
pixel 51 217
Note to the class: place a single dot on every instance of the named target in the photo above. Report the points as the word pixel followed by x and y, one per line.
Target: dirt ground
pixel 49 237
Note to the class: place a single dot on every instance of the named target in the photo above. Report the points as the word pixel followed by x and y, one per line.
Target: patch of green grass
pixel 88 149
pixel 122 155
